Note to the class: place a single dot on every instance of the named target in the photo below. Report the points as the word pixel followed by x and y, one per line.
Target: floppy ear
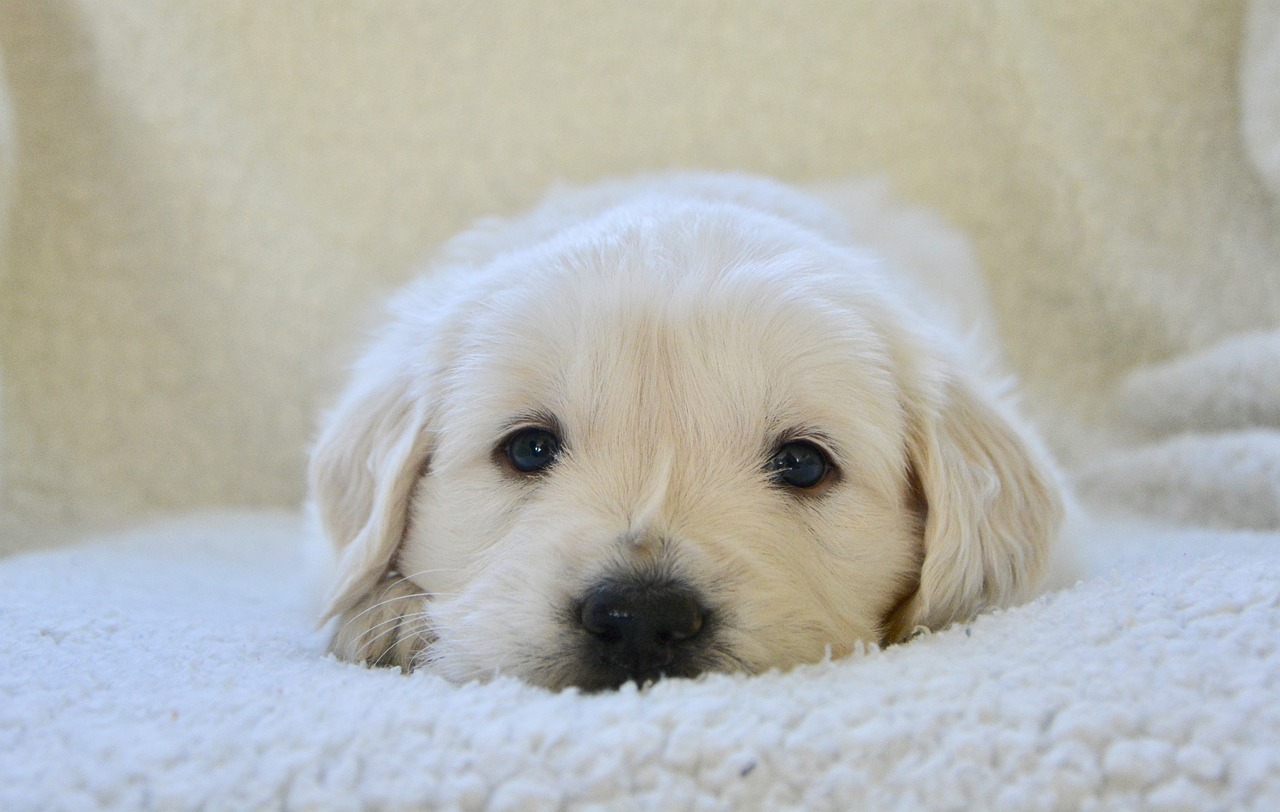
pixel 991 507
pixel 363 470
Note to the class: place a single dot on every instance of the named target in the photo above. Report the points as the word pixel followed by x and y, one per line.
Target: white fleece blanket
pixel 176 668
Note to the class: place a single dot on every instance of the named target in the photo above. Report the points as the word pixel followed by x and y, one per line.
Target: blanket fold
pixel 1198 438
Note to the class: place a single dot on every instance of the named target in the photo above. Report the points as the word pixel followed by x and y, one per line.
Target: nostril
pixel 678 618
pixel 606 617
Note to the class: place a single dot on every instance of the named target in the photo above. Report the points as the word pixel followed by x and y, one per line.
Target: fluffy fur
pixel 674 333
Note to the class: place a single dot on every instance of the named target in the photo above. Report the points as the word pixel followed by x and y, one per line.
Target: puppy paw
pixel 388 627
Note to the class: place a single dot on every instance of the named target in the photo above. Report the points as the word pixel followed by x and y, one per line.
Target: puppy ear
pixel 363 470
pixel 991 507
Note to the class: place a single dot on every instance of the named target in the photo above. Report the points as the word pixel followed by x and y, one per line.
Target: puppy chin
pixel 568 661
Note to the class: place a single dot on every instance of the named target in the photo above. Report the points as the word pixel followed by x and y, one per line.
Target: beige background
pixel 210 198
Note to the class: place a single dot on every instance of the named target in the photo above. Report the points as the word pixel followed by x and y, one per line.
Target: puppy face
pixel 676 436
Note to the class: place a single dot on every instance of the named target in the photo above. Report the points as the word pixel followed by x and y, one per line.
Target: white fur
pixel 675 329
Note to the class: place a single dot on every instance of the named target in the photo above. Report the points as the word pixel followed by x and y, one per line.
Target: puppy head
pixel 676 437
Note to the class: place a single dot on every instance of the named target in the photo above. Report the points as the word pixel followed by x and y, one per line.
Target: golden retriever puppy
pixel 661 427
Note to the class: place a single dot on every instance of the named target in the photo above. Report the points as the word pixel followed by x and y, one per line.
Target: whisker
pixel 365 641
pixel 382 603
pixel 434 570
pixel 395 619
pixel 410 617
pixel 416 622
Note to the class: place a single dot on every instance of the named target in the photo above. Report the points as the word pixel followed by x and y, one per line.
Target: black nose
pixel 642 628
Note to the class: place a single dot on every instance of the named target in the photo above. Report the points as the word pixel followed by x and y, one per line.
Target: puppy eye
pixel 532 450
pixel 799 464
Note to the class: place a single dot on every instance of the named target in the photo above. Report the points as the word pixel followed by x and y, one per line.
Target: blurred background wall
pixel 209 200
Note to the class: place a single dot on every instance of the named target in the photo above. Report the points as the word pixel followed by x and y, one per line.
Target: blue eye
pixel 799 464
pixel 532 450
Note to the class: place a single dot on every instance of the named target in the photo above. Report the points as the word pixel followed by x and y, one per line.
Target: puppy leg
pixel 387 627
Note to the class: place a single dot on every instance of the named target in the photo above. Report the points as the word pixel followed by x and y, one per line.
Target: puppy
pixel 662 427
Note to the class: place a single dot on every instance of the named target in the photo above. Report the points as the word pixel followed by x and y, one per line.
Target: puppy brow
pixel 535 418
pixel 809 434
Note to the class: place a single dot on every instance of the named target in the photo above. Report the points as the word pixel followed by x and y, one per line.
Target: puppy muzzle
pixel 642 631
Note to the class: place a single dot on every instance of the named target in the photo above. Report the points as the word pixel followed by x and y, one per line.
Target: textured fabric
pixel 8 521
pixel 1195 439
pixel 211 197
pixel 8 147
pixel 1260 90
pixel 174 668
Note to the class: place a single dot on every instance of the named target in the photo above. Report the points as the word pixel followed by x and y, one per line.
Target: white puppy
pixel 661 427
